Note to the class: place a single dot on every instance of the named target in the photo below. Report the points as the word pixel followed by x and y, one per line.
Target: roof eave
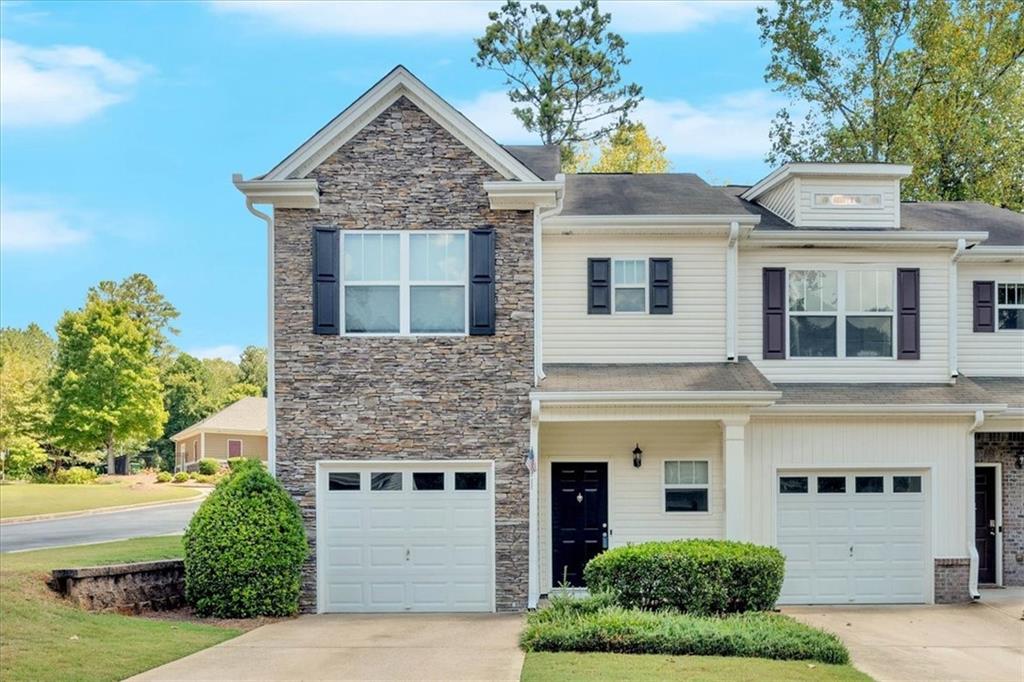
pixel 994 254
pixel 805 237
pixel 519 195
pixel 279 193
pixel 967 409
pixel 859 170
pixel 695 398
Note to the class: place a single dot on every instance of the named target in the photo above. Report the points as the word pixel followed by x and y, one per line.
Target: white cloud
pixel 491 111
pixel 35 225
pixel 449 18
pixel 59 85
pixel 225 352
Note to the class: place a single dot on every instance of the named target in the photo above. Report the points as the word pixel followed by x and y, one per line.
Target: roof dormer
pixel 830 195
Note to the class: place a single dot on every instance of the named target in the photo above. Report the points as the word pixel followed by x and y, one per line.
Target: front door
pixel 579 518
pixel 985 522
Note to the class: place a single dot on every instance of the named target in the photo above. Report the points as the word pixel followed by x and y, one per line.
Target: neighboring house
pixel 239 430
pixel 485 372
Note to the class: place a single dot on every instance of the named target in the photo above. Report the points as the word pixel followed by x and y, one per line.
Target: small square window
pixel 792 484
pixel 433 480
pixel 831 484
pixel 686 500
pixel 343 481
pixel 906 484
pixel 388 480
pixel 470 480
pixel 869 484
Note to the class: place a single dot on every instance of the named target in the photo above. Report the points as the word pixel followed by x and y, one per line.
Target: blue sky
pixel 121 124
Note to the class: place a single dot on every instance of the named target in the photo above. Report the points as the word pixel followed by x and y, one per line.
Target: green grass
pixel 566 667
pixel 42 638
pixel 31 499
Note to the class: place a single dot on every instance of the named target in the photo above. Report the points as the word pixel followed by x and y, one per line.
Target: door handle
pixel 604 540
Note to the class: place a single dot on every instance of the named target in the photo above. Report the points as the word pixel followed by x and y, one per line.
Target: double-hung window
pixel 687 485
pixel 629 285
pixel 1010 305
pixel 841 313
pixel 404 282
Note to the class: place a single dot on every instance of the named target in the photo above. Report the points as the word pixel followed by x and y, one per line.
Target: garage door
pixel 409 537
pixel 854 537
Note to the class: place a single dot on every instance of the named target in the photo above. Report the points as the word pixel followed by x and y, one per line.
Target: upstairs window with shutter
pixel 629 286
pixel 1010 305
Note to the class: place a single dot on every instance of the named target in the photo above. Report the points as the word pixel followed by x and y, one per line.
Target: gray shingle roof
pixel 646 194
pixel 1004 227
pixel 964 392
pixel 690 376
pixel 543 159
pixel 1009 390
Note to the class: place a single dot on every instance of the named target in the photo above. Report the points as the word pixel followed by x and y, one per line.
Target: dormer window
pixel 848 200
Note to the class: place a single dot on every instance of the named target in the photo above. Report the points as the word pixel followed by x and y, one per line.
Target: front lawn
pixel 43 638
pixel 32 499
pixel 567 667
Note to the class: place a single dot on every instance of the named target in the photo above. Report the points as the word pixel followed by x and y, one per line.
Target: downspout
pixel 953 314
pixel 533 531
pixel 972 581
pixel 271 404
pixel 538 281
pixel 731 274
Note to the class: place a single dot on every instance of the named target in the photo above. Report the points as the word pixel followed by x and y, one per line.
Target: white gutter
pixel 280 193
pixel 887 409
pixel 953 312
pixel 731 274
pixel 668 220
pixel 972 549
pixel 802 237
pixel 515 194
pixel 539 217
pixel 995 254
pixel 635 397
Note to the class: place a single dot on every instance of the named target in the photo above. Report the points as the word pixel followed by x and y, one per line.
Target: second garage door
pixel 405 537
pixel 854 537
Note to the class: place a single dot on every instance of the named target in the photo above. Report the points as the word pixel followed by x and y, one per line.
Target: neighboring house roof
pixel 712 377
pixel 963 392
pixel 545 160
pixel 245 416
pixel 646 194
pixel 1009 390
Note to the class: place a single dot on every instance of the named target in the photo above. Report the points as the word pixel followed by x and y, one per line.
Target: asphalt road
pixel 101 527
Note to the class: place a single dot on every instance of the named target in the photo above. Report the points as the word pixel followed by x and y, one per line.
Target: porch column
pixel 202 446
pixel 533 547
pixel 734 460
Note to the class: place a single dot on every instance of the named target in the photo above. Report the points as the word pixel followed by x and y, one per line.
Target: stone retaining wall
pixel 125 588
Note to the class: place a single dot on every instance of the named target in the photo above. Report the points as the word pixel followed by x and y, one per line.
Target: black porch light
pixel 637 456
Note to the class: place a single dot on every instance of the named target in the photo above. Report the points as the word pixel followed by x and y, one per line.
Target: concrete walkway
pixel 362 647
pixel 980 641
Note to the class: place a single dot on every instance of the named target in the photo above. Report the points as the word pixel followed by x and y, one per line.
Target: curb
pixel 99 510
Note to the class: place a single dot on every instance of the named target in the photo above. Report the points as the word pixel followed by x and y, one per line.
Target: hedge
pixel 208 467
pixel 596 624
pixel 699 577
pixel 74 476
pixel 244 549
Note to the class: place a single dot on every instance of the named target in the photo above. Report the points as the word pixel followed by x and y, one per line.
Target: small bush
pixel 74 476
pixel 180 477
pixel 164 477
pixel 202 478
pixel 590 624
pixel 238 463
pixel 208 467
pixel 244 549
pixel 700 577
pixel 193 475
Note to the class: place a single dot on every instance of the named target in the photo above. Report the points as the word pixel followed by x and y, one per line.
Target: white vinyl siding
pixel 636 497
pixel 998 353
pixel 781 201
pixel 932 367
pixel 694 332
pixel 811 213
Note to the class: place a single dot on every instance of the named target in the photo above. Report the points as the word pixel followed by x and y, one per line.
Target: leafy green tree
pixel 186 399
pixel 146 306
pixel 223 375
pixel 934 83
pixel 562 69
pixel 242 390
pixel 26 360
pixel 106 381
pixel 252 366
pixel 630 149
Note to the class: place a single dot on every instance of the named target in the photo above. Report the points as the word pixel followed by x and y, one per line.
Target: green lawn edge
pixel 25 500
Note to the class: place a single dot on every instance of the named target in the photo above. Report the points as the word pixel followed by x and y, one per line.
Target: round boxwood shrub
pixel 208 467
pixel 700 577
pixel 164 477
pixel 244 549
pixel 180 477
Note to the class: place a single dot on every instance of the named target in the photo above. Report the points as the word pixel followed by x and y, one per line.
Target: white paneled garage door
pixel 854 537
pixel 405 537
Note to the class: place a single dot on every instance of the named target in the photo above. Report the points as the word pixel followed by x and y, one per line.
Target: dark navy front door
pixel 579 518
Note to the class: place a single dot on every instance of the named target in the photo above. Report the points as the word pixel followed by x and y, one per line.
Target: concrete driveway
pixel 362 647
pixel 980 641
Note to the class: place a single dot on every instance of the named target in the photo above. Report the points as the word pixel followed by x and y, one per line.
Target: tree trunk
pixel 110 457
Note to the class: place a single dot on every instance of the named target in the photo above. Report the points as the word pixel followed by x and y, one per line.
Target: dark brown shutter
pixel 599 286
pixel 660 276
pixel 326 281
pixel 984 306
pixel 773 334
pixel 481 281
pixel 908 314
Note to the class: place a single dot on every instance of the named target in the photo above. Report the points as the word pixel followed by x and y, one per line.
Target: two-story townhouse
pixel 484 372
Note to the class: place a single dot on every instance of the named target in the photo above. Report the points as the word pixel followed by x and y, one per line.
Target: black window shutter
pixel 326 281
pixel 984 306
pixel 661 286
pixel 773 334
pixel 599 286
pixel 908 314
pixel 481 281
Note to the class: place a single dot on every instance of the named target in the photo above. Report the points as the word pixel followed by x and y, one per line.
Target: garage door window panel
pixel 432 480
pixel 869 484
pixel 906 484
pixel 470 480
pixel 386 481
pixel 343 481
pixel 831 485
pixel 687 486
pixel 791 485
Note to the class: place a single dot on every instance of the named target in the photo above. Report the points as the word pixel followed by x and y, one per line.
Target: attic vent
pixel 848 200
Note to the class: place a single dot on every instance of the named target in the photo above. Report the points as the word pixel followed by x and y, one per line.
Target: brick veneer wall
pixel 952 581
pixel 1005 448
pixel 457 397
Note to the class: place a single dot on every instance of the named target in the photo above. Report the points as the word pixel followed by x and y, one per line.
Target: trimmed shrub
pixel 700 577
pixel 193 475
pixel 237 463
pixel 74 476
pixel 590 624
pixel 208 467
pixel 180 477
pixel 244 549
pixel 164 477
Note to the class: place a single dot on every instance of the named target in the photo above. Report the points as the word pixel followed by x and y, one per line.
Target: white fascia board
pixel 994 254
pixel 679 397
pixel 280 193
pixel 192 431
pixel 400 82
pixel 887 410
pixel 516 194
pixel 679 222
pixel 852 170
pixel 896 238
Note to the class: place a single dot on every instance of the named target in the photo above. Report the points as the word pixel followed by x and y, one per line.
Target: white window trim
pixel 841 313
pixel 665 486
pixel 646 285
pixel 999 306
pixel 241 447
pixel 857 207
pixel 404 284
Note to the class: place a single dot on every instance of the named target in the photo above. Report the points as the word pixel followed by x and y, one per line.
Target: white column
pixel 734 459
pixel 202 446
pixel 533 572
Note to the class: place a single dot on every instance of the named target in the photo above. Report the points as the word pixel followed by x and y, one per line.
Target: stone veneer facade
pixel 454 397
pixel 1005 448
